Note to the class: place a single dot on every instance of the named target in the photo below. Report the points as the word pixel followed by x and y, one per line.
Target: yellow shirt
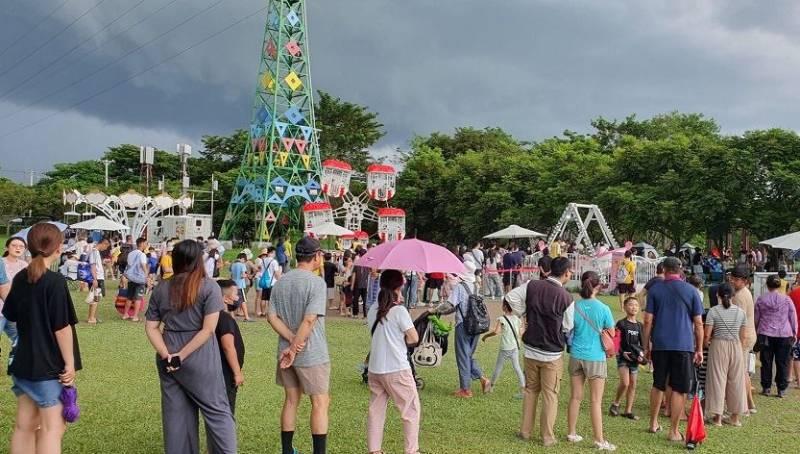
pixel 555 249
pixel 784 288
pixel 631 267
pixel 166 262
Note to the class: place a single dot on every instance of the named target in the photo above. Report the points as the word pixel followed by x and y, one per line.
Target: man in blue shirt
pixel 673 323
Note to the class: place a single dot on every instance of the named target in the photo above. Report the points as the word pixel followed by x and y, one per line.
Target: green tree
pixel 346 130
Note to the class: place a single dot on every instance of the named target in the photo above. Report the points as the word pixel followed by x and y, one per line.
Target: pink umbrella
pixel 411 255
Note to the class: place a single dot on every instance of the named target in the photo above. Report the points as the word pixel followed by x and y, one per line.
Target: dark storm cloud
pixel 532 67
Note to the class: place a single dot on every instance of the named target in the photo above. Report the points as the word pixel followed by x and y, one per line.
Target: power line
pixel 18 62
pixel 32 29
pixel 49 65
pixel 117 60
pixel 173 56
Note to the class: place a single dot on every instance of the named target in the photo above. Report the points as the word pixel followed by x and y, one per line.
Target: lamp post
pixel 106 162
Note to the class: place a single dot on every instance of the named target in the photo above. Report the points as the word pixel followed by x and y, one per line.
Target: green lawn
pixel 119 397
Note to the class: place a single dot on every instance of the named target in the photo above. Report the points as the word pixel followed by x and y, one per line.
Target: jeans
pixel 494 285
pixel 10 328
pixel 779 350
pixel 410 291
pixel 468 367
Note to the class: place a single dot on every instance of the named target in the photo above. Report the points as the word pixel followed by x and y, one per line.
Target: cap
pixel 741 271
pixel 307 246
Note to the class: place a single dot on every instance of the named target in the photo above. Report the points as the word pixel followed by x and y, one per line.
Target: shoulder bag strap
pixel 513 331
pixel 583 315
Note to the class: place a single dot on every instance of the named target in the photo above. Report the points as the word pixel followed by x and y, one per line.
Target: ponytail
pixel 391 280
pixel 589 282
pixel 725 293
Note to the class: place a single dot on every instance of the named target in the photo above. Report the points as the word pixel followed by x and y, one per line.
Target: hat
pixel 213 244
pixel 741 271
pixel 307 246
pixel 264 251
pixel 469 275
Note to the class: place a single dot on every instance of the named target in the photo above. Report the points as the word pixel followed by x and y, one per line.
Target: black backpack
pixel 476 318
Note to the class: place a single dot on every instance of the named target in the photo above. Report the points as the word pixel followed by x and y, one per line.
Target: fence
pixel 645 268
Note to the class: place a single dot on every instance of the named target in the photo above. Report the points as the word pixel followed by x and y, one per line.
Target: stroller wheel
pixel 420 383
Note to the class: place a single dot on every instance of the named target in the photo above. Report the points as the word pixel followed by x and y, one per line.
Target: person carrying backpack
pixel 472 320
pixel 270 271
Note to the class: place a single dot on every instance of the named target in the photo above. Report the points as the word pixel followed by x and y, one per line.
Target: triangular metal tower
pixel 573 214
pixel 281 166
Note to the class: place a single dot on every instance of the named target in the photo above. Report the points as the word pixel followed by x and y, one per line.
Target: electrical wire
pixel 31 30
pixel 81 58
pixel 31 54
pixel 128 79
pixel 113 62
pixel 74 48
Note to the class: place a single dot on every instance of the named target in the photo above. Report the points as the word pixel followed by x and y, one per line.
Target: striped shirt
pixel 726 322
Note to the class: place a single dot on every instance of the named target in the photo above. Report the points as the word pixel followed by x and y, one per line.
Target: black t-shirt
pixel 330 273
pixel 631 333
pixel 40 310
pixel 227 325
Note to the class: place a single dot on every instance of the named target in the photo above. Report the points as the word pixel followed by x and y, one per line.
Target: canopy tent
pixel 648 250
pixel 329 229
pixel 514 231
pixel 789 241
pixel 100 223
pixel 24 232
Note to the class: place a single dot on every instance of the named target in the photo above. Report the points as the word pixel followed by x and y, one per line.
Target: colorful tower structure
pixel 281 166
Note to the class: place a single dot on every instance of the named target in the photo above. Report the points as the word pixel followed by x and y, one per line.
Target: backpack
pixel 476 318
pixel 266 277
pixel 124 250
pixel 85 272
pixel 622 273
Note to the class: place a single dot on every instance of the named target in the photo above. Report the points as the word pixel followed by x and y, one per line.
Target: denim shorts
pixel 633 367
pixel 45 393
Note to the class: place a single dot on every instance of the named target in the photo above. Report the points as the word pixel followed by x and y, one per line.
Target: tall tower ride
pixel 281 166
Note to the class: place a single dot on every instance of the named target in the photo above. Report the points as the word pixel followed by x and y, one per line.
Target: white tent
pixel 329 229
pixel 100 223
pixel 790 241
pixel 514 231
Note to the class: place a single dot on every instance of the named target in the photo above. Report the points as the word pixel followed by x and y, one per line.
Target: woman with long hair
pixel 187 355
pixel 13 262
pixel 724 333
pixel 390 373
pixel 47 355
pixel 588 359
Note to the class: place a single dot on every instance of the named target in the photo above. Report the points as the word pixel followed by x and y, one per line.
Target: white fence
pixel 645 268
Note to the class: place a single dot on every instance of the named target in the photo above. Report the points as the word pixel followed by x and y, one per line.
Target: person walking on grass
pixel 330 269
pixel 136 273
pixel 297 314
pixel 182 317
pixel 724 331
pixel 673 339
pixel 588 359
pixel 794 295
pixel 626 278
pixel 508 328
pixel 631 354
pixel 776 325
pixel 543 303
pixel 270 266
pixel 390 373
pixel 98 287
pixel 47 354
pixel 239 276
pixel 466 344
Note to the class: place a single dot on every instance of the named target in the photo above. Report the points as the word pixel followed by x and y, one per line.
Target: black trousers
pixel 779 351
pixel 359 294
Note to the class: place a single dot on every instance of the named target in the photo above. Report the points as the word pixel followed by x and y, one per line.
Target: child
pixel 508 328
pixel 231 345
pixel 630 355
pixel 239 277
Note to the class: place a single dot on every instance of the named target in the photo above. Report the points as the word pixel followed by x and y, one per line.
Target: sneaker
pixel 604 446
pixel 781 394
pixel 766 392
pixel 574 438
pixel 463 394
pixel 613 410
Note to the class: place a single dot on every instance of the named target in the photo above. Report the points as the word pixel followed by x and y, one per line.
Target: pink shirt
pixel 12 268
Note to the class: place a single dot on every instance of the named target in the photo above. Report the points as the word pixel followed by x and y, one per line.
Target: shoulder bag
pixel 606 339
pixel 513 331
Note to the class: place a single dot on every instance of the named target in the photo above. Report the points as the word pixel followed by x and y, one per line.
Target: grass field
pixel 120 405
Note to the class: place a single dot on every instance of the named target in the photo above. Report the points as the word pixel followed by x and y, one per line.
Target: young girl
pixel 631 354
pixel 508 327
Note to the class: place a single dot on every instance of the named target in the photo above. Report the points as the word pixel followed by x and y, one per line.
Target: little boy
pixel 630 355
pixel 231 345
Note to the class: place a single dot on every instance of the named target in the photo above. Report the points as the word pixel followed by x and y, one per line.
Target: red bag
pixel 617 341
pixel 695 428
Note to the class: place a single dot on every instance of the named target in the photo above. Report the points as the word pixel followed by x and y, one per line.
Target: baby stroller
pixel 430 349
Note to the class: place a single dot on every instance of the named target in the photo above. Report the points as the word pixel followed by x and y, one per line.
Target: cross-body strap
pixel 583 315
pixel 469 293
pixel 513 331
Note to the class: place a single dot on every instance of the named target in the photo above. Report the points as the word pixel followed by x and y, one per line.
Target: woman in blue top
pixel 588 358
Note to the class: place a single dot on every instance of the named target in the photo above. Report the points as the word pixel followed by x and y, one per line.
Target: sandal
pixel 679 440
pixel 613 410
pixel 630 416
pixel 656 430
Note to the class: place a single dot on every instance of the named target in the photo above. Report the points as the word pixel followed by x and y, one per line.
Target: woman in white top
pixel 390 373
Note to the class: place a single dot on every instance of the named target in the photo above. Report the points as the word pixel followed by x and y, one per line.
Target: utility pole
pixel 184 151
pixel 30 210
pixel 214 187
pixel 106 162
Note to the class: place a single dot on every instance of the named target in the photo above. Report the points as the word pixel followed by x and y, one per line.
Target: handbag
pixel 762 342
pixel 606 339
pixel 428 353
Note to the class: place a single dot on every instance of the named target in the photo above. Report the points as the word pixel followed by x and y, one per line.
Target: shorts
pixel 633 366
pixel 242 296
pixel 589 369
pixel 44 393
pixel 266 293
pixel 796 351
pixel 233 307
pixel 136 291
pixel 626 289
pixel 673 368
pixel 435 283
pixel 313 380
pixel 331 293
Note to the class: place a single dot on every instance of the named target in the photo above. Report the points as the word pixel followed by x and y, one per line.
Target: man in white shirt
pixel 136 272
pixel 98 288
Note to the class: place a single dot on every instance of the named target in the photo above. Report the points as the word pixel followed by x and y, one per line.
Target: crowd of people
pixel 191 323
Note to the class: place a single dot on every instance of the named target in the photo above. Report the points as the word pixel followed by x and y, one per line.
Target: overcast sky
pixel 533 67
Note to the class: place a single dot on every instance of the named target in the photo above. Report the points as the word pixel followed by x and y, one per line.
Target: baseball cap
pixel 307 246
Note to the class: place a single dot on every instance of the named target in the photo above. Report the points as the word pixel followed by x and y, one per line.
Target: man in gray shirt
pixel 297 314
